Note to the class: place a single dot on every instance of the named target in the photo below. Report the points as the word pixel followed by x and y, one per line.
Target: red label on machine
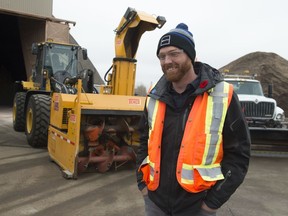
pixel 56 103
pixel 118 42
pixel 56 106
pixel 56 97
pixel 73 118
pixel 134 101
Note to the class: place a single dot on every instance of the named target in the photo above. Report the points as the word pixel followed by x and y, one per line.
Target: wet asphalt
pixel 31 184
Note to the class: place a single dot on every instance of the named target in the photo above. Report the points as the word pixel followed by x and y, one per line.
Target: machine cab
pixel 55 60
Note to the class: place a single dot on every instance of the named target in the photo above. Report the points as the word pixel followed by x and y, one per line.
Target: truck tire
pixel 37 120
pixel 18 111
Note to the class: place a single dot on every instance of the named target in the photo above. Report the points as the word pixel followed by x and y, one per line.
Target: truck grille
pixel 259 110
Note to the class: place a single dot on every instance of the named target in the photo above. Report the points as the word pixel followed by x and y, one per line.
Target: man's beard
pixel 175 72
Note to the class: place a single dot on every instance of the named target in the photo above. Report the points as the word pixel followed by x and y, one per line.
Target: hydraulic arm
pixel 128 34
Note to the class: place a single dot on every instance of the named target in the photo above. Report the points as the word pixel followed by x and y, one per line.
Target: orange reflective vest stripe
pixel 201 151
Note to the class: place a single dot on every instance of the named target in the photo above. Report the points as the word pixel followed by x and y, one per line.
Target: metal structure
pixel 100 130
pixel 55 63
pixel 23 23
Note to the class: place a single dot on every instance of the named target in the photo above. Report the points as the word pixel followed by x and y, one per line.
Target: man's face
pixel 175 63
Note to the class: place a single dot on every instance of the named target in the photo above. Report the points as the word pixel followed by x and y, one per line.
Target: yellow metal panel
pixel 30 85
pixel 124 72
pixel 147 17
pixel 58 103
pixel 63 146
pixel 112 102
pixel 62 149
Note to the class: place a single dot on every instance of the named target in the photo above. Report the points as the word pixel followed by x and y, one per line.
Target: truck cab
pixel 259 110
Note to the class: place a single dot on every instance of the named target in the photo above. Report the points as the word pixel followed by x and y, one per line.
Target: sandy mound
pixel 270 68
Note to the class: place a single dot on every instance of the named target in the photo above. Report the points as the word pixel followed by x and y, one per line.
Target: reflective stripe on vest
pixel 198 166
pixel 215 116
pixel 150 167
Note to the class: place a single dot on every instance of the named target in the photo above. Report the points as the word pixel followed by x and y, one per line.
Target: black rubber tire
pixel 18 111
pixel 37 120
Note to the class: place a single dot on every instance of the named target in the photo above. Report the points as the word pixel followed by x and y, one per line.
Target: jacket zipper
pixel 228 174
pixel 172 189
pixel 185 116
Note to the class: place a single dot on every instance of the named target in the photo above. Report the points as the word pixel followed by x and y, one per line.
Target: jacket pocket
pixel 198 178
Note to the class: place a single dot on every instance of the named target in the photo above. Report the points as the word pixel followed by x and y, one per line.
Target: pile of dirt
pixel 270 69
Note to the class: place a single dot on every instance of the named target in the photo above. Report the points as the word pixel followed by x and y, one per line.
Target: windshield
pixel 61 58
pixel 246 87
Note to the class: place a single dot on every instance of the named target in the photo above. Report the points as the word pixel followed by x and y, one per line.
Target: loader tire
pixel 37 120
pixel 18 111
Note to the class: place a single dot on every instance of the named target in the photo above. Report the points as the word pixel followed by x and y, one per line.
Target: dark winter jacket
pixel 170 196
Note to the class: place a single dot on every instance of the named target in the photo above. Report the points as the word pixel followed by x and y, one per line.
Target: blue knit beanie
pixel 179 37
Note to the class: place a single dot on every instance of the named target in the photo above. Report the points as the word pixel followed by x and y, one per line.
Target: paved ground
pixel 32 185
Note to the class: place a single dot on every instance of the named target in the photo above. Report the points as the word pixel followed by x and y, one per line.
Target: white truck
pixel 259 110
pixel 266 121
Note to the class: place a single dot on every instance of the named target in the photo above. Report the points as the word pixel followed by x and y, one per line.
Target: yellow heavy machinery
pixel 98 131
pixel 55 62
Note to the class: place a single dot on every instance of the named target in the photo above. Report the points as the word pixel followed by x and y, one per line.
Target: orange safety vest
pixel 201 151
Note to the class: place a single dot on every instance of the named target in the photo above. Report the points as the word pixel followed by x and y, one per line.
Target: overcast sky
pixel 224 30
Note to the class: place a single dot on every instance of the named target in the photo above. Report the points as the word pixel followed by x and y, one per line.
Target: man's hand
pixel 206 208
pixel 144 191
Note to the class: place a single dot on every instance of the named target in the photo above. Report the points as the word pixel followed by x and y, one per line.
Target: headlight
pixel 280 117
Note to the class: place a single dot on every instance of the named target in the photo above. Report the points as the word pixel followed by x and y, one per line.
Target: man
pixel 195 145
